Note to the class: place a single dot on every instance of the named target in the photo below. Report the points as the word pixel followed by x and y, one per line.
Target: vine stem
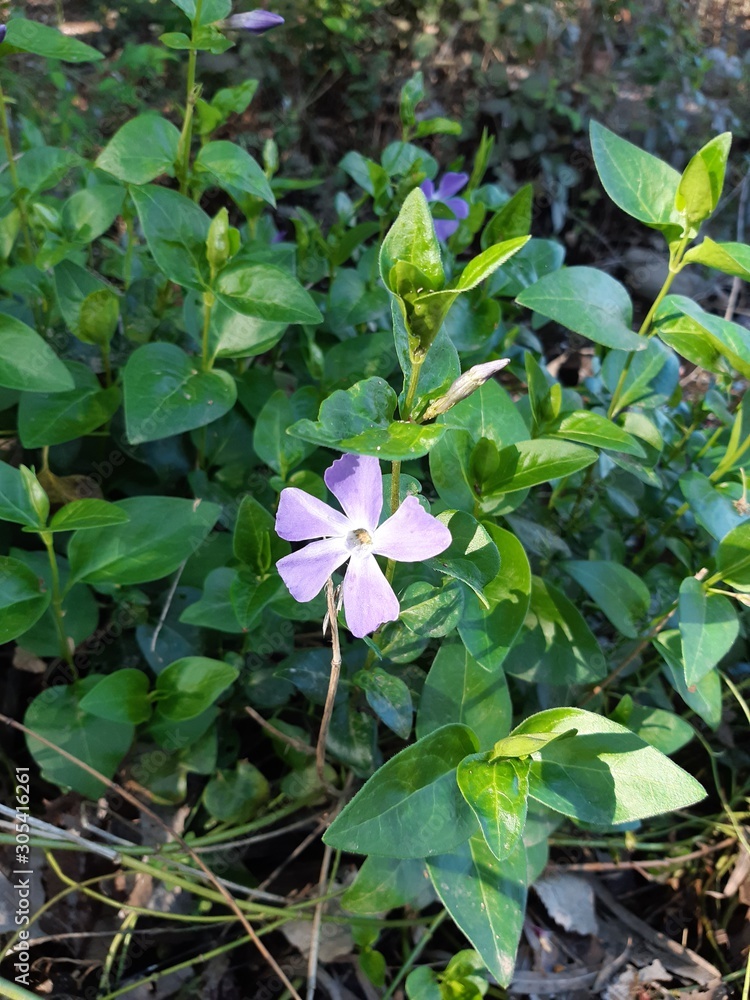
pixel 57 608
pixel 333 683
pixel 13 171
pixel 409 963
pixel 411 392
pixel 208 304
pixel 186 136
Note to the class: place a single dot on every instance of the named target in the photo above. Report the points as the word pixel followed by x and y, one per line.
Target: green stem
pixel 186 136
pixel 675 266
pixel 411 960
pixel 416 371
pixel 57 608
pixel 13 171
pixel 127 267
pixel 208 304
pixel 14 992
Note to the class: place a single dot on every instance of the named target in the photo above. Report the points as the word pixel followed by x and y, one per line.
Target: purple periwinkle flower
pixel 448 188
pixel 409 535
pixel 257 22
pixel 3 32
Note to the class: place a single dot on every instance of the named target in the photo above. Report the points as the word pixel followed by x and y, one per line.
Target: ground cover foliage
pixel 186 349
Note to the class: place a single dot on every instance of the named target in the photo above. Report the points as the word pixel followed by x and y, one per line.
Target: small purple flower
pixel 3 32
pixel 257 22
pixel 450 185
pixel 409 535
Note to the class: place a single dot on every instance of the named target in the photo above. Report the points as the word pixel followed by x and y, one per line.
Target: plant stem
pixel 208 304
pixel 13 171
pixel 675 266
pixel 57 608
pixel 333 683
pixel 423 941
pixel 186 137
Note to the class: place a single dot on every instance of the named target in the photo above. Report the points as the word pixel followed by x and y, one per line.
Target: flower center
pixel 359 541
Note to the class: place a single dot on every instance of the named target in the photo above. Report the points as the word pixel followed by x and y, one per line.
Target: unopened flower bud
pixel 464 385
pixel 3 32
pixel 257 22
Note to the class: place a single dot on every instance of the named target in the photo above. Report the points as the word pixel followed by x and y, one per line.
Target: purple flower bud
pixel 3 32
pixel 464 385
pixel 257 22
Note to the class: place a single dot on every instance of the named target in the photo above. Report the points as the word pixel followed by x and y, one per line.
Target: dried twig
pixel 333 683
pixel 291 741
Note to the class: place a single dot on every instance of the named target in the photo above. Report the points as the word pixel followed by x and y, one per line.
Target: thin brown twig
pixel 635 652
pixel 333 683
pixel 611 866
pixel 312 964
pixel 303 845
pixel 137 804
pixel 291 741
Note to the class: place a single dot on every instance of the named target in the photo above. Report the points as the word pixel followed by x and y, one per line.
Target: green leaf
pixel 211 10
pixel 15 502
pixel 513 219
pixel 266 292
pixel 83 515
pixel 532 262
pixel 176 230
pixel 98 317
pixel 530 463
pixel 589 302
pixel 389 698
pixel 489 633
pixel 485 263
pixel 235 796
pixel 90 212
pixel 702 181
pixel 23 599
pixel 166 393
pixel 73 285
pixel 144 148
pixel 686 336
pixel 411 806
pixel 271 442
pixel 57 417
pixel 27 362
pixel 733 557
pixel 384 884
pixel 704 697
pixel 486 898
pixel 160 535
pixel 41 40
pixel 56 715
pixel 729 339
pixel 651 378
pixel 620 594
pixel 431 611
pixel 370 176
pixel 605 774
pixel 412 240
pixel 233 334
pixel 231 165
pixel 79 607
pixel 642 185
pixel 255 541
pixel 459 689
pixel 522 746
pixel 709 627
pixel 471 557
pixel 214 610
pixel 189 686
pixel 119 697
pixel 497 793
pixel 593 429
pixel 664 730
pixel 359 420
pixel 711 509
pixel 730 258
pixel 250 597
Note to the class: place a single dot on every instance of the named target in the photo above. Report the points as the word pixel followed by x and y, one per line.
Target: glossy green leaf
pixel 167 393
pixel 617 591
pixel 56 417
pixel 432 611
pixel 459 689
pixel 161 534
pixel 234 796
pixel 489 633
pixel 27 361
pixel 497 792
pixel 23 598
pixel 709 627
pixel 214 610
pixel 15 502
pixel 472 556
pixel 641 184
pixel 80 610
pixel 90 212
pixel 56 715
pixel 281 451
pixel 389 698
pixel 119 697
pixel 704 697
pixel 189 686
pixel 651 379
pixel 266 292
pixel 605 774
pixel 383 884
pixel 513 219
pixel 730 258
pixel 592 429
pixel 687 336
pixel 664 730
pixel 233 334
pixel 523 745
pixel 530 463
pixel 144 148
pixel 42 40
pixel 412 240
pixel 589 302
pixel 176 230
pixel 229 165
pixel 255 541
pixel 360 420
pixel 711 509
pixel 411 806
pixel 733 557
pixel 83 515
pixel 731 340
pixel 486 898
pixel 702 180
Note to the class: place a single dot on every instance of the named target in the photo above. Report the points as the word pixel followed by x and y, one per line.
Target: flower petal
pixel 459 207
pixel 305 572
pixel 369 599
pixel 411 534
pixel 445 228
pixel 357 484
pixel 301 517
pixel 428 189
pixel 451 184
pixel 255 21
